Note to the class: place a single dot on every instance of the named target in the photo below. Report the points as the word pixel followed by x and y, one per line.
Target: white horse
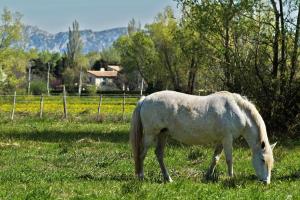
pixel 217 118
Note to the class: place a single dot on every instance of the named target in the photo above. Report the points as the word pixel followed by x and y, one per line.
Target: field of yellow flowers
pixel 77 107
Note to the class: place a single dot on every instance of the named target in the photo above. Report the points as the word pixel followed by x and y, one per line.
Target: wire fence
pixel 98 108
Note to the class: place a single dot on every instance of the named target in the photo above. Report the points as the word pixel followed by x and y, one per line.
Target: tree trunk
pixel 275 41
pixel 282 68
pixel 295 50
pixel 191 77
pixel 174 76
pixel 227 68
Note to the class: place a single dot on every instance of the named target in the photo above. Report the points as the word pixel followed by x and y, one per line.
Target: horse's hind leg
pixel 147 141
pixel 215 159
pixel 159 151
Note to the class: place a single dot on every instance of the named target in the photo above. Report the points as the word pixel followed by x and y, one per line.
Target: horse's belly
pixel 196 136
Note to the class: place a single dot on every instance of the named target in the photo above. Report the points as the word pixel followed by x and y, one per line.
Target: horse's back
pixel 189 118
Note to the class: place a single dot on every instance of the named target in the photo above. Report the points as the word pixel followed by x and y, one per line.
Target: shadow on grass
pixel 65 136
pixel 110 177
pixel 294 175
pixel 121 177
pixel 229 182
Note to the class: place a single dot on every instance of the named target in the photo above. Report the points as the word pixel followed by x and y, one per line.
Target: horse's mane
pixel 250 108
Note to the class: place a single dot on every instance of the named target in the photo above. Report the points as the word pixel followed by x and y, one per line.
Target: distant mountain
pixel 92 40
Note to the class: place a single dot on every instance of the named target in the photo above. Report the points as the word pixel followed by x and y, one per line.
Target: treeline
pixel 248 47
pixel 33 72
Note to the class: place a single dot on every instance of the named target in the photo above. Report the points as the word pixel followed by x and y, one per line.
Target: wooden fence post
pixel 123 107
pixel 29 79
pixel 14 106
pixel 65 103
pixel 41 106
pixel 48 79
pixel 99 108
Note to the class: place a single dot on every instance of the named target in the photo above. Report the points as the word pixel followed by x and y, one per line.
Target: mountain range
pixel 92 40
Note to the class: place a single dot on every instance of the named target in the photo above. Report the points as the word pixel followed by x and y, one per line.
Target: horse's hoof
pixel 140 177
pixel 168 180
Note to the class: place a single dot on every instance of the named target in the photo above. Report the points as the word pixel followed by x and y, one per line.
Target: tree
pixel 167 53
pixel 74 59
pixel 13 60
pixel 110 56
pixel 254 42
pixel 133 26
pixel 10 29
pixel 162 33
pixel 138 53
pixel 74 46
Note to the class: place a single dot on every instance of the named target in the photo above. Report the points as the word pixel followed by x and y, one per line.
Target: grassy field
pixel 46 159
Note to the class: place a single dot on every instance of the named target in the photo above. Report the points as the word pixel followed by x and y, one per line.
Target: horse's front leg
pixel 159 152
pixel 227 145
pixel 215 160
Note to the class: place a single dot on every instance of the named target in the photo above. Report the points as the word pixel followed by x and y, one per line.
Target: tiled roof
pixel 115 67
pixel 103 73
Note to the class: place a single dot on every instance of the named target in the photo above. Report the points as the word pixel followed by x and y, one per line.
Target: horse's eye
pixel 263 160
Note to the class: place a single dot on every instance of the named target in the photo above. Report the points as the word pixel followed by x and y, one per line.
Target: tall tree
pixel 133 26
pixel 74 46
pixel 73 72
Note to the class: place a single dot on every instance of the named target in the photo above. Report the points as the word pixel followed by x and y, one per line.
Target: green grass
pixel 44 159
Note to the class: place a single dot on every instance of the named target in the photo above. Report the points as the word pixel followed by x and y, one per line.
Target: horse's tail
pixel 253 113
pixel 136 135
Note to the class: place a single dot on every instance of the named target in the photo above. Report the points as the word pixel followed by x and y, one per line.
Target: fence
pixel 118 107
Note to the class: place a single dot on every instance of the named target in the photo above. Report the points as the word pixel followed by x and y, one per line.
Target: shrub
pixel 38 87
pixel 90 89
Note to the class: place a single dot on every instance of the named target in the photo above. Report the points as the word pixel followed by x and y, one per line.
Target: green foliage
pixel 38 87
pixel 167 54
pixel 253 52
pixel 237 46
pixel 10 28
pixel 71 79
pixel 133 26
pixel 92 58
pixel 110 56
pixel 13 61
pixel 138 53
pixel 91 90
pixel 74 46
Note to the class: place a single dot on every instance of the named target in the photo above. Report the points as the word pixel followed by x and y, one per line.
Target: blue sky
pixel 57 15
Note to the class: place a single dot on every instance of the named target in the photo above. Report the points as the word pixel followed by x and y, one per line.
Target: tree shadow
pixel 65 136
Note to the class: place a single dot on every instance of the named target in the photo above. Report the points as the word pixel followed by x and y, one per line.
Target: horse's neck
pixel 254 139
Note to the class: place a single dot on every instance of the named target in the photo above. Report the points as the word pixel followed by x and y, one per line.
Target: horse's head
pixel 263 161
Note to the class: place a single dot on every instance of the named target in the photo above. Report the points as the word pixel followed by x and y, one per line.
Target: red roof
pixel 101 74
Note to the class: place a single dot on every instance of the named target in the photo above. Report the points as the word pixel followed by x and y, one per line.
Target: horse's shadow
pixel 293 176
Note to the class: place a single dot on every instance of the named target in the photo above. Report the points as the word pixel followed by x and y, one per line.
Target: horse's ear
pixel 263 145
pixel 273 145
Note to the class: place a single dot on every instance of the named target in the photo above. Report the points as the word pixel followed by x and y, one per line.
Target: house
pixel 104 77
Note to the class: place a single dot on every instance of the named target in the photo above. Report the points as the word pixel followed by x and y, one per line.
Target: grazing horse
pixel 217 118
